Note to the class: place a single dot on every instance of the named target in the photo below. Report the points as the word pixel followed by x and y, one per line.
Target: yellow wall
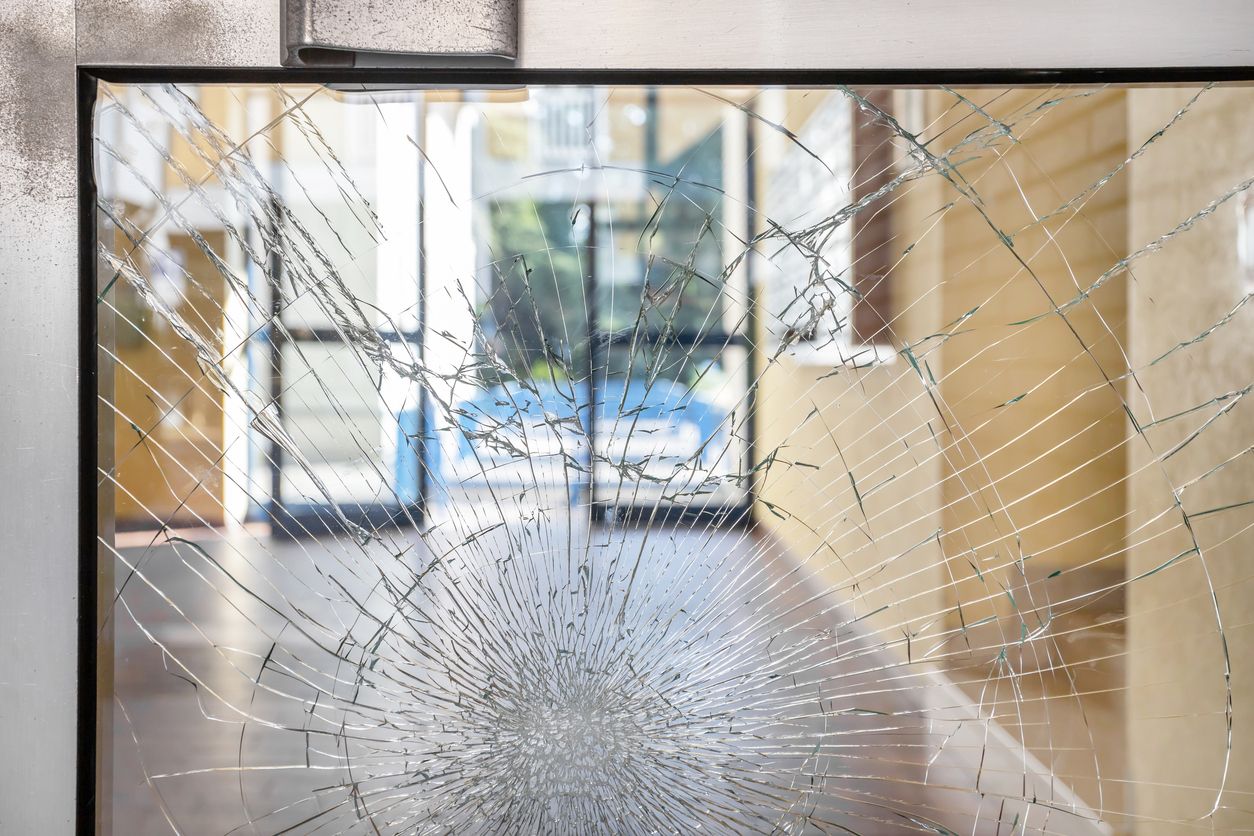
pixel 171 430
pixel 1068 422
pixel 1034 470
pixel 1024 477
pixel 1177 692
pixel 1027 462
pixel 871 423
pixel 1041 461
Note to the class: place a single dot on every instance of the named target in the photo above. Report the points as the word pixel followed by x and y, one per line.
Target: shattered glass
pixel 573 459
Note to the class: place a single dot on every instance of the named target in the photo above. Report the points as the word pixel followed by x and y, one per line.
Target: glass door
pixel 600 308
pixel 350 445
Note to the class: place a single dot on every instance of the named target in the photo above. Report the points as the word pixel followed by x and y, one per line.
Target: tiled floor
pixel 786 718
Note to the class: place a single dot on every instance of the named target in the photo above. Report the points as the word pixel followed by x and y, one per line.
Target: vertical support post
pixel 48 578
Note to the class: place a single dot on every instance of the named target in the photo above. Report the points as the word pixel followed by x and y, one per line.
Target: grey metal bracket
pixel 345 33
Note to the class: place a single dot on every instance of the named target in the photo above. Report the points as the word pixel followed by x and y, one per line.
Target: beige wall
pixel 1024 477
pixel 1033 494
pixel 1177 692
pixel 1033 482
pixel 1040 460
pixel 869 427
pixel 993 504
pixel 171 474
pixel 168 472
pixel 1023 465
pixel 881 550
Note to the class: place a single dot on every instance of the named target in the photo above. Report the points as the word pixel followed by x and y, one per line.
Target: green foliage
pixel 537 304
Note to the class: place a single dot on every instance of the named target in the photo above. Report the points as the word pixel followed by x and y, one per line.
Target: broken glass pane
pixel 658 460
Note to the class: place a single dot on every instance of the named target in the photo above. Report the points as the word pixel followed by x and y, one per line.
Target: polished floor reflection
pixel 844 743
